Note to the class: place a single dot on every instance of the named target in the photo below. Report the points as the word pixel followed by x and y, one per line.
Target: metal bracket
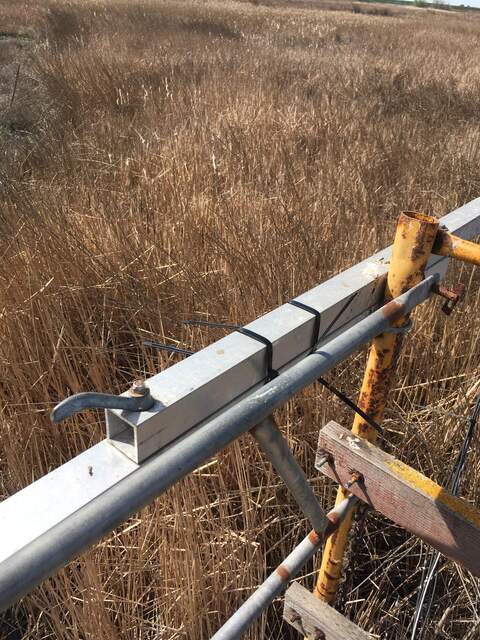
pixel 452 296
pixel 275 447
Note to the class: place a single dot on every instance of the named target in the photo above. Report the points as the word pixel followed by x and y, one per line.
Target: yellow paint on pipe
pixel 446 244
pixel 413 243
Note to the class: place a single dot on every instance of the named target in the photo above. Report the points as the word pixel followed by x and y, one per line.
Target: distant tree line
pixel 437 4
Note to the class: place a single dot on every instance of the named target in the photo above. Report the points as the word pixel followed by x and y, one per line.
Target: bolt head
pixel 139 387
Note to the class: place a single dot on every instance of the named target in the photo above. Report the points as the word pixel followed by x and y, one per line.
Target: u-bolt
pixel 139 399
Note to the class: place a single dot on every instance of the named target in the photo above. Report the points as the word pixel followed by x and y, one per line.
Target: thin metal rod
pixel 275 447
pixel 351 404
pixel 161 346
pixel 279 579
pixel 49 552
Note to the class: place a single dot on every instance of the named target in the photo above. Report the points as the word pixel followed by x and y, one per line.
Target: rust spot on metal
pixel 314 537
pixel 444 292
pixel 393 311
pixel 443 244
pixel 364 427
pixel 283 573
pixel 355 477
pixel 323 589
pixel 333 522
pixel 418 251
pixel 333 517
pixel 452 296
pixel 420 245
pixel 420 216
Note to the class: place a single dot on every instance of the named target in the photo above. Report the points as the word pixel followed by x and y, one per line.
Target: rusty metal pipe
pixel 446 244
pixel 413 243
pixel 279 579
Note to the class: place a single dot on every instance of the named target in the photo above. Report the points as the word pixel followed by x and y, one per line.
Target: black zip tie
pixel 271 372
pixel 318 318
pixel 339 314
pixel 326 384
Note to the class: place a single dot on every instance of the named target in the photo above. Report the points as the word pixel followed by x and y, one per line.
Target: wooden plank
pixel 402 494
pixel 316 619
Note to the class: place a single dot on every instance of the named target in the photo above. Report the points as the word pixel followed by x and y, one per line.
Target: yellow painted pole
pixel 446 244
pixel 413 243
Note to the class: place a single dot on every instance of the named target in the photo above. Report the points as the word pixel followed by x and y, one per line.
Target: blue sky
pixel 471 3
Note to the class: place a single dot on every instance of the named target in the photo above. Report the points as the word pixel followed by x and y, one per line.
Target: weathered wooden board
pixel 402 494
pixel 316 619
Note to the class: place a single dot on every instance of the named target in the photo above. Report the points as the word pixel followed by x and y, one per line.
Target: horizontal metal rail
pixel 27 563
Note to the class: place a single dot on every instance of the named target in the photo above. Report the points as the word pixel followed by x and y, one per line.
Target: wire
pixel 352 405
pixel 329 385
pixel 429 576
pixel 153 344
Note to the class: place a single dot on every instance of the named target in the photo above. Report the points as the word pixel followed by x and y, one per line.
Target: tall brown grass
pixel 167 159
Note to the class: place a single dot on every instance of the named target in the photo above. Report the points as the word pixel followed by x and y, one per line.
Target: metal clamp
pixel 139 399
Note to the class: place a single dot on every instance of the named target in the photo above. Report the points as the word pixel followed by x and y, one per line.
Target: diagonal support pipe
pixel 275 447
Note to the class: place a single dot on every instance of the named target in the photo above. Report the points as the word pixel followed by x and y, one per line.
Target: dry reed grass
pixel 167 159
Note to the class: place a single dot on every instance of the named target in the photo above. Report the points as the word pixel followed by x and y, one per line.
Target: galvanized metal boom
pixel 26 560
pixel 165 428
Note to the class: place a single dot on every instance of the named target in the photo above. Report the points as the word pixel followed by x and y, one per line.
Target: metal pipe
pixel 412 246
pixel 49 552
pixel 139 399
pixel 279 579
pixel 275 447
pixel 446 244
